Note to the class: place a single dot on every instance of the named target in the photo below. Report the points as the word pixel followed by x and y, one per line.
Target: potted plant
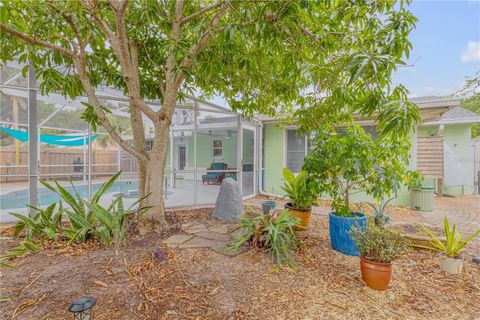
pixel 379 216
pixel 351 161
pixel 452 263
pixel 302 194
pixel 378 247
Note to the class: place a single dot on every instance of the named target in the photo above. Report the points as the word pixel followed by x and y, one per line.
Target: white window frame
pixel 217 148
pixel 285 144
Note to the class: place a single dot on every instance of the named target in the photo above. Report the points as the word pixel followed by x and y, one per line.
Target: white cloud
pixel 471 53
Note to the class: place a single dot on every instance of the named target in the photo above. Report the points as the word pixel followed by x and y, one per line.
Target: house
pixel 255 152
pixel 442 149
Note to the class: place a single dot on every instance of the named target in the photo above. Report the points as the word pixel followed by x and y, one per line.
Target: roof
pixel 431 108
pixel 457 115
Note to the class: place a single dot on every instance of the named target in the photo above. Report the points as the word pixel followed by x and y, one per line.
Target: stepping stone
pixel 219 228
pixel 476 259
pixel 196 228
pixel 229 252
pixel 213 236
pixel 187 225
pixel 240 232
pixel 175 240
pixel 197 242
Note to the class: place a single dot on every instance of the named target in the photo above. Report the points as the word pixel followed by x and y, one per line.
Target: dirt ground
pixel 203 284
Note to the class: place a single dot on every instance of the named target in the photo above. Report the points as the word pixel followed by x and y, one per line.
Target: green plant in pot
pixel 350 161
pixel 301 191
pixel 378 247
pixel 452 263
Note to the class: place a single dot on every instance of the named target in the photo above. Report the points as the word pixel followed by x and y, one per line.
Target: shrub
pixel 272 232
pixel 378 244
pixel 350 161
pixel 300 189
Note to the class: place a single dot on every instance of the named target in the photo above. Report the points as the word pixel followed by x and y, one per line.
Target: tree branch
pixel 37 42
pixel 200 12
pixel 81 66
pixel 201 44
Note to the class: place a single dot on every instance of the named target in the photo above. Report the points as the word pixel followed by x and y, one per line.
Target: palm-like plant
pixel 454 241
pixel 299 189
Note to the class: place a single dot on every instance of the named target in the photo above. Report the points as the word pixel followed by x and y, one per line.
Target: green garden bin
pixel 422 198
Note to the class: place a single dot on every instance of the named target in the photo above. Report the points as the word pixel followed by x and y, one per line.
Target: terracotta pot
pixel 302 214
pixel 375 274
pixel 451 265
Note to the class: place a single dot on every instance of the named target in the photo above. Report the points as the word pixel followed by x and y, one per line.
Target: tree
pixel 472 101
pixel 310 59
pixel 349 161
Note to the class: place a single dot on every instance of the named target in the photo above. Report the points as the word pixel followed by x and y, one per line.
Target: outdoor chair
pixel 215 177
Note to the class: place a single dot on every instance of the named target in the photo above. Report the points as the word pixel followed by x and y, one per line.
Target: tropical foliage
pixel 86 220
pixel 320 61
pixel 273 232
pixel 378 244
pixel 348 161
pixel 300 189
pixel 379 215
pixel 454 241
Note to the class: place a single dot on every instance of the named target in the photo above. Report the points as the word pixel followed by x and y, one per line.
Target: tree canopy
pixel 321 62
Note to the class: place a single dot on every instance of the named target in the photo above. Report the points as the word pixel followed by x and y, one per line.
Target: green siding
pixel 273 153
pixel 458 139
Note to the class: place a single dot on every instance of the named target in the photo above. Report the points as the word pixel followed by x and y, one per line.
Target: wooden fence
pixel 430 156
pixel 60 161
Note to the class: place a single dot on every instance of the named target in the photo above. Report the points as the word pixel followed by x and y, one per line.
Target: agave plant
pixel 82 221
pixel 379 215
pixel 273 232
pixel 114 221
pixel 46 223
pixel 454 241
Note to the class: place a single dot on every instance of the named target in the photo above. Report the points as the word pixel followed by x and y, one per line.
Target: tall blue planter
pixel 339 228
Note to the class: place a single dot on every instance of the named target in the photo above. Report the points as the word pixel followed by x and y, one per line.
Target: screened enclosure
pixel 43 136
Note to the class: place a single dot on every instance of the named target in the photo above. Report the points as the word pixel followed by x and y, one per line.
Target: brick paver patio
pixel 463 211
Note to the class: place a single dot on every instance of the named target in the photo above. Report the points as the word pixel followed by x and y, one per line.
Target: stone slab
pixel 213 236
pixel 197 242
pixel 177 239
pixel 219 228
pixel 200 227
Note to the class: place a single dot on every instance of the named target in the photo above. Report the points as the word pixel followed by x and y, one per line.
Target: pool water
pixel 19 199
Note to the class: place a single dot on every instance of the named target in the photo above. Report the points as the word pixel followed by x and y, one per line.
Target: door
pixel 182 157
pixel 248 162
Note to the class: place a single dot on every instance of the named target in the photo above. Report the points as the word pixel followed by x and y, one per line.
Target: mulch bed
pixel 202 284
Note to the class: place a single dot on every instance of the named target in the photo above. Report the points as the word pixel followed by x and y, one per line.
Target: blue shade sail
pixel 59 140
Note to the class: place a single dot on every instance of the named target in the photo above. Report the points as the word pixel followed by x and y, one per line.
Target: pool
pixel 19 199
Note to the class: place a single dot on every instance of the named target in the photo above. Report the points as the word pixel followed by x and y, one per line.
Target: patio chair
pixel 215 177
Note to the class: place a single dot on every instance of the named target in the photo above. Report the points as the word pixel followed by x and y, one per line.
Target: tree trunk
pixel 155 217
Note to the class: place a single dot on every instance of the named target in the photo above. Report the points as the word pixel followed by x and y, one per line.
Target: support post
pixel 32 142
pixel 195 128
pixel 89 183
pixel 439 187
pixel 239 153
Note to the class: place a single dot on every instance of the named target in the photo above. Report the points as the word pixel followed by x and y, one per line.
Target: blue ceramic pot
pixel 339 228
pixel 268 205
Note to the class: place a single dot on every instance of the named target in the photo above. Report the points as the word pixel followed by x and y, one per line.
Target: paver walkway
pixel 213 235
pixel 464 211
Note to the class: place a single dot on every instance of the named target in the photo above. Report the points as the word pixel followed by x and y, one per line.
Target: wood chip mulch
pixel 202 284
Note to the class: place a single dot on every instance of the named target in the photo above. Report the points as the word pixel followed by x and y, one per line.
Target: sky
pixel 446 47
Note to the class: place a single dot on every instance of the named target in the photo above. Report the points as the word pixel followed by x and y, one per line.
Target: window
pixel 372 130
pixel 217 148
pixel 298 147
